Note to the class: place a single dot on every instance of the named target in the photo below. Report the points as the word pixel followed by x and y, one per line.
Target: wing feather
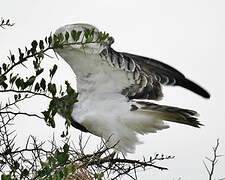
pixel 166 75
pixel 144 86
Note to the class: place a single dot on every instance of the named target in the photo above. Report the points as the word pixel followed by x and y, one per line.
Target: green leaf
pixel 18 83
pixel 103 36
pixel 4 85
pixel 41 44
pixel 67 35
pixel 39 71
pixel 56 41
pixel 12 79
pixel 15 97
pixel 61 157
pixel 75 35
pixel 60 37
pixel 46 39
pixel 4 66
pixel 5 177
pixel 52 71
pixel 70 91
pixel 21 55
pixel 12 58
pixel 2 79
pixel 78 35
pixel 99 176
pixel 89 35
pixel 53 103
pixel 43 84
pixel 22 84
pixel 46 171
pixel 37 87
pixel 30 81
pixel 66 148
pixel 46 114
pixel 50 122
pixel 89 39
pixel 34 44
pixel 36 64
pixel 58 175
pixel 49 40
pixel 52 88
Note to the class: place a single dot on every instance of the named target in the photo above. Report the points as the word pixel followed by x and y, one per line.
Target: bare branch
pixel 21 113
pixel 211 168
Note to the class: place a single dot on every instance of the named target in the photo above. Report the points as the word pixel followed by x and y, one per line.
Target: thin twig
pixel 210 170
pixel 21 113
pixel 4 23
pixel 25 91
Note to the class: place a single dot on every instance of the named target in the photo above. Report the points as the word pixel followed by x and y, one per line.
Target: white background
pixel 187 34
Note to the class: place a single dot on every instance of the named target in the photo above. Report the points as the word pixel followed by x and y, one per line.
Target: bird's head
pixel 88 44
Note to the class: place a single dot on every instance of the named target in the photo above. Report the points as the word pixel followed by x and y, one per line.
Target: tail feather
pixel 173 114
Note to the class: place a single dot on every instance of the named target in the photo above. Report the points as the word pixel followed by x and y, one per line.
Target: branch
pixel 136 163
pixel 55 42
pixel 109 162
pixel 7 105
pixel 213 161
pixel 25 91
pixel 4 23
pixel 21 113
pixel 24 59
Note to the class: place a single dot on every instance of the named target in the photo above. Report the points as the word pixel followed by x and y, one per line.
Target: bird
pixel 119 91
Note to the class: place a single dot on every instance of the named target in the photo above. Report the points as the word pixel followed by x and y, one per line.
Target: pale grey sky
pixel 187 34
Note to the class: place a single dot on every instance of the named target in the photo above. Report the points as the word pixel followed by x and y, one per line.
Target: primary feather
pixel 115 89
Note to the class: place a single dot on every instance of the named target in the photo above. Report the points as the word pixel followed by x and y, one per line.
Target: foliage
pixel 32 85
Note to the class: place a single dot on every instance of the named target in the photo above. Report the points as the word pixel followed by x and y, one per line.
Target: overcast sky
pixel 186 34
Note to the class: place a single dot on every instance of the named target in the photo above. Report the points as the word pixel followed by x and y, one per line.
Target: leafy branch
pixel 60 102
pixel 4 23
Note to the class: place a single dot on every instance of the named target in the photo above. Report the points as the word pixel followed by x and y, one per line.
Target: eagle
pixel 118 91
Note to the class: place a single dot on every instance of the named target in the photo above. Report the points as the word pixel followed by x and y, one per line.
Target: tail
pixel 169 113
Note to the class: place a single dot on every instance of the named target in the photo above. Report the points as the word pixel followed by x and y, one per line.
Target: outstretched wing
pixel 166 74
pixel 136 77
pixel 149 75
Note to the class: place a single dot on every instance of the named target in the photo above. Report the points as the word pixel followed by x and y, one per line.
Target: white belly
pixel 108 116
